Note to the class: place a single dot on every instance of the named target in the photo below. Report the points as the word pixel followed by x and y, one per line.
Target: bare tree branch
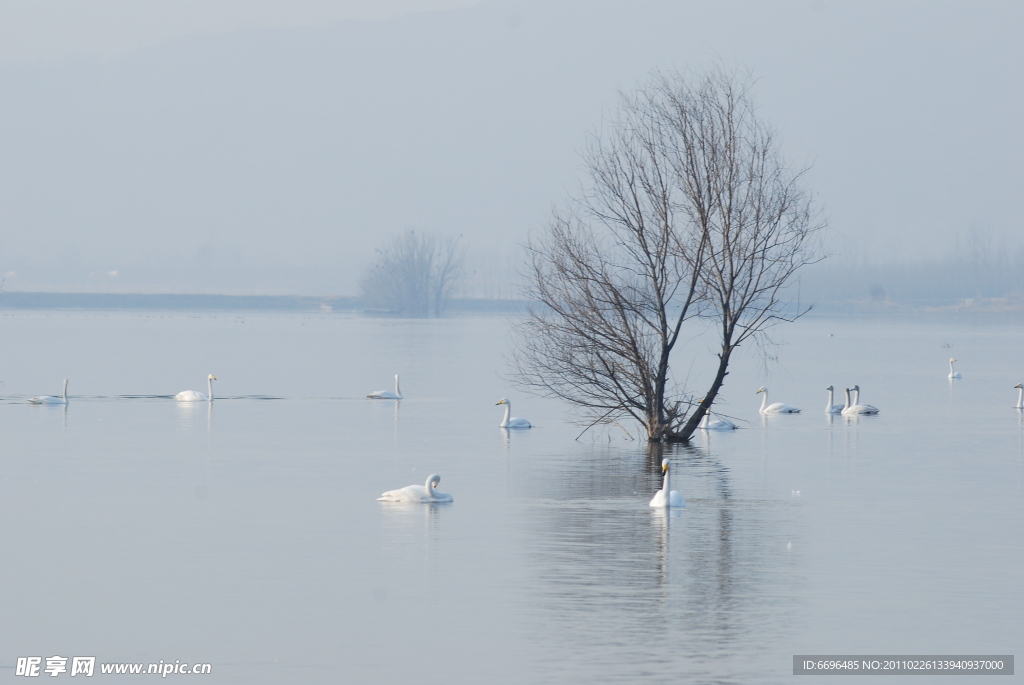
pixel 690 216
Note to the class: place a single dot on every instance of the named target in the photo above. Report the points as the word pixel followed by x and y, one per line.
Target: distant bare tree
pixel 414 275
pixel 690 215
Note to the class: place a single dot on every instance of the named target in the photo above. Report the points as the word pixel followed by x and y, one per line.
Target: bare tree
pixel 414 275
pixel 691 217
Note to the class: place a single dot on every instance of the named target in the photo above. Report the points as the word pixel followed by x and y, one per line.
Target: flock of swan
pixel 183 396
pixel 666 497
pixel 852 407
pixel 428 492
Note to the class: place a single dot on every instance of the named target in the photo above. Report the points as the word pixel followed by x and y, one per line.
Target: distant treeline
pixel 112 301
pixel 938 282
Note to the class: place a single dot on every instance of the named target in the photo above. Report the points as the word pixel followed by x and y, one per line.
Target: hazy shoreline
pixel 1006 309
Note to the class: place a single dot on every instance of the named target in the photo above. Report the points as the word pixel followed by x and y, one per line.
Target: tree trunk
pixel 705 404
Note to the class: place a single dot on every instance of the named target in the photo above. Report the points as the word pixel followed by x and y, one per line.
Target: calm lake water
pixel 246 534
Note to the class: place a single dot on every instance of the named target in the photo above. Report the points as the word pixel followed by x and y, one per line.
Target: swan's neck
pixel 950 367
pixel 704 421
pixel 666 485
pixel 398 390
pixel 847 406
pixel 828 407
pixel 856 396
pixel 65 391
pixel 1020 398
pixel 764 401
pixel 508 414
pixel 209 390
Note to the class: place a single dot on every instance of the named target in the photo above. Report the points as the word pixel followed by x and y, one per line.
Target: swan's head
pixel 501 401
pixel 432 481
pixel 830 388
pixel 211 377
pixel 951 359
pixel 1019 386
pixel 664 465
pixel 760 390
pixel 856 387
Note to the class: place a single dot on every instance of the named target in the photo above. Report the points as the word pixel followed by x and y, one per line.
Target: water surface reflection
pixel 642 592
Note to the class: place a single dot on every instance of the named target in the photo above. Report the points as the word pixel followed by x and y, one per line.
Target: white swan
pixel 857 408
pixel 385 395
pixel 832 408
pixel 777 408
pixel 1020 396
pixel 952 373
pixel 674 499
pixel 511 421
pixel 425 493
pixel 193 396
pixel 855 391
pixel 718 425
pixel 50 399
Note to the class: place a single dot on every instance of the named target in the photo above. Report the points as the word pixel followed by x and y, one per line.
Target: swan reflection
pixel 698 575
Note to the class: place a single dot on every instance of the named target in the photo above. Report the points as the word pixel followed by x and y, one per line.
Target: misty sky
pixel 269 147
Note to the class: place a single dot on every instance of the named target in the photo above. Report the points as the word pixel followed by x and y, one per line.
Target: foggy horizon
pixel 273 154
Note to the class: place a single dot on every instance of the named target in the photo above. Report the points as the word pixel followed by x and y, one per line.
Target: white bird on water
pixel 511 421
pixel 717 425
pixel 424 494
pixel 855 390
pixel 50 399
pixel 193 396
pixel 953 373
pixel 1020 396
pixel 777 408
pixel 851 408
pixel 667 497
pixel 832 408
pixel 385 395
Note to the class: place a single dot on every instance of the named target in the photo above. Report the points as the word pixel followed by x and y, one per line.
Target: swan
pixel 850 409
pixel 385 395
pixel 674 499
pixel 1020 396
pixel 777 408
pixel 511 421
pixel 855 391
pixel 719 425
pixel 49 399
pixel 832 408
pixel 193 396
pixel 425 493
pixel 952 373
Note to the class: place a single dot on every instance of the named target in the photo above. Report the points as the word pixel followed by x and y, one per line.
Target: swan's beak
pixel 664 468
pixel 214 378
